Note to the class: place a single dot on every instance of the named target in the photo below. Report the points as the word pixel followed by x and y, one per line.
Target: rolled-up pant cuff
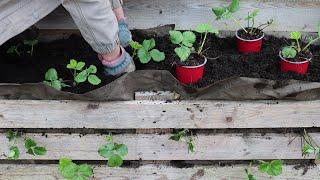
pixel 105 48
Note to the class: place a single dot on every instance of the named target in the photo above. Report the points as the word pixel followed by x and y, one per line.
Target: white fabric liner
pixel 18 15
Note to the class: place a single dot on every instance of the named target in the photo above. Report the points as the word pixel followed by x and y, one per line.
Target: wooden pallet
pixel 225 130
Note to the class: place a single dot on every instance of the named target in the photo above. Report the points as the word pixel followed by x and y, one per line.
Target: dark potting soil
pixel 301 57
pixel 193 60
pixel 256 34
pixel 223 61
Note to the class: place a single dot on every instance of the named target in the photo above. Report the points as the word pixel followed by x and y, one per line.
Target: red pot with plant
pixel 190 68
pixel 249 39
pixel 294 58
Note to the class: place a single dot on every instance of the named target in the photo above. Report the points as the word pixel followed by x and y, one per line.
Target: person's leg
pixel 124 32
pixel 98 25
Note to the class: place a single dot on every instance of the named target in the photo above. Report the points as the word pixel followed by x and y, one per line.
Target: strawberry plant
pixel 146 51
pixel 185 41
pixel 52 79
pixel 186 136
pixel 14 50
pixel 31 146
pixel 272 168
pixel 228 13
pixel 71 171
pixel 310 146
pixel 31 44
pixel 205 29
pixel 81 74
pixel 114 152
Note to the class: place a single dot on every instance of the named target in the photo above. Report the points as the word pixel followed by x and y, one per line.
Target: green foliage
pixel 249 174
pixel 114 152
pixel 30 43
pixel 52 79
pixel 186 136
pixel 33 149
pixel 296 36
pixel 72 171
pixel 310 146
pixel 82 74
pixel 185 40
pixel 205 29
pixel 289 52
pixel 14 50
pixel 146 51
pixel 226 12
pixel 272 168
pixel 14 153
pixel 252 15
pixel 13 135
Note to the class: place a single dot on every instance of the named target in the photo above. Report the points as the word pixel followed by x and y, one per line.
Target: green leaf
pixel 106 151
pixel 183 52
pixel 234 6
pixel 56 84
pixel 144 55
pixel 121 149
pixel 92 69
pixel 73 64
pixel 85 170
pixel 31 151
pixel 40 151
pixel 191 145
pixel 14 153
pixel 115 161
pixel 109 137
pixel 81 77
pixel 188 38
pixel 11 135
pixel 69 170
pixel 80 66
pixel 176 37
pixel 51 74
pixel 307 149
pixel 206 27
pixel 149 44
pixel 29 143
pixel 135 45
pixel 11 49
pixel 157 56
pixel 221 13
pixel 30 42
pixel 295 35
pixel 252 14
pixel 289 52
pixel 273 168
pixel 94 80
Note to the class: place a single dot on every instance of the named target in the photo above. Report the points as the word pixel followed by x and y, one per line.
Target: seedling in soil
pixel 146 51
pixel 30 145
pixel 31 44
pixel 184 135
pixel 205 29
pixel 249 174
pixel 52 79
pixel 295 48
pixel 14 50
pixel 81 75
pixel 272 168
pixel 185 41
pixel 228 12
pixel 310 146
pixel 114 152
pixel 71 171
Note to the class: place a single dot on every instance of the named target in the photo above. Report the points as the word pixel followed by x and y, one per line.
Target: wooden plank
pixel 156 95
pixel 187 14
pixel 159 147
pixel 153 172
pixel 159 114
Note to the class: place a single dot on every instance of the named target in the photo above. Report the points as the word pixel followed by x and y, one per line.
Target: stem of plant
pixel 31 51
pixel 311 42
pixel 238 23
pixel 17 52
pixel 202 44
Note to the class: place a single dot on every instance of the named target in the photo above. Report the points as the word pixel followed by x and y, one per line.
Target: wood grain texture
pixel 158 114
pixel 159 147
pixel 153 172
pixel 288 15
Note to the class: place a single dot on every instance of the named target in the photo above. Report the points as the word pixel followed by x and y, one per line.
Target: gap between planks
pixel 159 114
pixel 159 147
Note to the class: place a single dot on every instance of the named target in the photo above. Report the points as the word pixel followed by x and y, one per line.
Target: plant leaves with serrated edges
pixel 85 170
pixel 135 45
pixel 183 53
pixel 40 151
pixel 206 27
pixel 106 150
pixel 14 153
pixel 234 6
pixel 81 77
pixel 176 37
pixel 29 143
pixel 188 38
pixel 144 56
pixel 115 161
pixel 51 74
pixel 157 56
pixel 92 69
pixel 80 65
pixel 94 80
pixel 121 149
pixel 72 64
pixel 295 35
pixel 149 44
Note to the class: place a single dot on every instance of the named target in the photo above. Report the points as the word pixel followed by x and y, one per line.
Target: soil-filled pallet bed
pixel 224 61
pixel 227 136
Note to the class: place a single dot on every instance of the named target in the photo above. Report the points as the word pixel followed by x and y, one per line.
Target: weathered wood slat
pixel 156 114
pixel 186 14
pixel 153 172
pixel 158 147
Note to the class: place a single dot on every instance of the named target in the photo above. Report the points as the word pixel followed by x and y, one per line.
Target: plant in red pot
pixel 295 58
pixel 249 39
pixel 190 68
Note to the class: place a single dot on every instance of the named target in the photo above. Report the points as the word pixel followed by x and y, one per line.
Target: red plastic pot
pixel 249 46
pixel 190 74
pixel 297 67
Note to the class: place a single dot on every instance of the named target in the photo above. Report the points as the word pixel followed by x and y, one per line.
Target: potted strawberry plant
pixel 190 67
pixel 249 39
pixel 295 58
